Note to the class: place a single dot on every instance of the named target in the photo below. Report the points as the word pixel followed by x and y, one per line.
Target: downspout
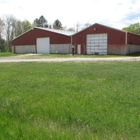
pixel 126 40
pixel 71 44
pixel 71 40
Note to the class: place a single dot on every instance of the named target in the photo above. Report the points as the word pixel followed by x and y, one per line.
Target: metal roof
pixel 67 33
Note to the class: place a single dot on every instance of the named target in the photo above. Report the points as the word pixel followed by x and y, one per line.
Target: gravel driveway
pixel 24 58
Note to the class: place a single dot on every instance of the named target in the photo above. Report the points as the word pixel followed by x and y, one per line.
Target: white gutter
pixel 126 38
pixel 71 40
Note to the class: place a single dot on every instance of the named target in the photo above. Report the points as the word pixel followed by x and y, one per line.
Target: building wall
pixel 24 49
pixel 123 49
pixel 60 48
pixel 132 49
pixel 133 43
pixel 29 38
pixel 117 49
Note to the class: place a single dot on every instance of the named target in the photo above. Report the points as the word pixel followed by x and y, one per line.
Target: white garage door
pixel 96 43
pixel 43 45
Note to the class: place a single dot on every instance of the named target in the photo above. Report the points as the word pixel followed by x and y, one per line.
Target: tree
pixel 18 29
pixel 133 28
pixel 2 41
pixel 10 23
pixel 49 26
pixel 41 22
pixel 1 27
pixel 64 28
pixel 77 27
pixel 26 25
pixel 2 45
pixel 22 27
pixel 57 24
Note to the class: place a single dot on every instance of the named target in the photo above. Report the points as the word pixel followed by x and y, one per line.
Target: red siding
pixel 29 38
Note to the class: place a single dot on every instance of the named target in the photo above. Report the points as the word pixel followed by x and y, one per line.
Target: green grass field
pixel 70 101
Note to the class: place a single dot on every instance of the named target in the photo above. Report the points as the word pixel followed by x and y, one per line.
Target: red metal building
pixel 96 39
pixel 100 39
pixel 43 40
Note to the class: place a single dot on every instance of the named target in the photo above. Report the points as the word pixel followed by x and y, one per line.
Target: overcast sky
pixel 114 13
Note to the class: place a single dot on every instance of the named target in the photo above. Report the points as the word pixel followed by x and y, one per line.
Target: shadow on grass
pixel 134 54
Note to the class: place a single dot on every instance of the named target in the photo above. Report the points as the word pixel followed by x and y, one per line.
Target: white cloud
pixel 115 13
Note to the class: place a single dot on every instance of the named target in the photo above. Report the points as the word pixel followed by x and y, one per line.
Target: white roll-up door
pixel 43 45
pixel 96 43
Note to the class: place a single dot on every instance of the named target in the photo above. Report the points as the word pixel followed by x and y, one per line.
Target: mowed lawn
pixel 70 101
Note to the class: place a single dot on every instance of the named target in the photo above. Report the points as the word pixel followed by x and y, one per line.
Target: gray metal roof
pixel 68 33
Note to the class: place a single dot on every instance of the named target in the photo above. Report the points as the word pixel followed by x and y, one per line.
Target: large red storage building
pixel 96 39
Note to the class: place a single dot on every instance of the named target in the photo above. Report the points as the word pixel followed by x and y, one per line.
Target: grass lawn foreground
pixel 70 101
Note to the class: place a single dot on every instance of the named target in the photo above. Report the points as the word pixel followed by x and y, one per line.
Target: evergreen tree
pixel 57 24
pixel 41 22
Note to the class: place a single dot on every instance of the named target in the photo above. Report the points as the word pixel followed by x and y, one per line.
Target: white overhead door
pixel 43 45
pixel 96 43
